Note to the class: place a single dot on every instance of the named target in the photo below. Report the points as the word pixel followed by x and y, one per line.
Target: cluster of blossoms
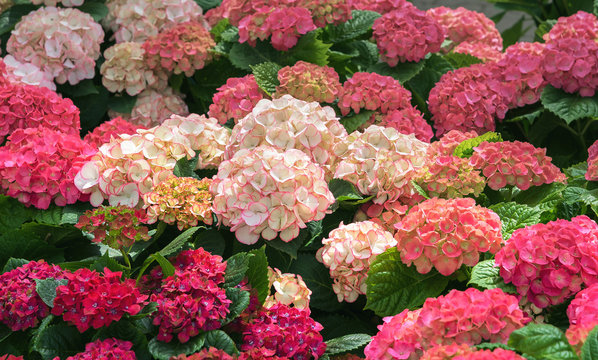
pixel 515 163
pixel 125 69
pixel 349 251
pixel 235 99
pixel 288 331
pixel 407 120
pixel 289 289
pixel 465 352
pixel 381 162
pixel 28 106
pixel 63 42
pixel 11 357
pixel 27 73
pixel 90 299
pixel 447 144
pixel 152 107
pixel 380 6
pixel 183 201
pixel 592 173
pixel 38 166
pixel 116 226
pixel 110 130
pixel 479 50
pixel 309 82
pixel 583 316
pixel 287 123
pixel 445 234
pixel 385 215
pixel 108 349
pixel 210 353
pixel 268 193
pixel 20 305
pixel 549 262
pixel 579 25
pixel 183 48
pixel 463 317
pixel 407 34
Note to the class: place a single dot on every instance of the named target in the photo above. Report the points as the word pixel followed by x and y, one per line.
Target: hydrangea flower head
pixel 235 99
pixel 11 357
pixel 385 215
pixel 446 352
pixel 27 73
pixel 407 34
pixel 349 251
pixel 550 262
pixel 326 12
pixel 152 107
pixel 289 289
pixel 380 6
pixel 408 120
pixel 583 316
pixel 108 349
pixel 268 193
pixel 592 173
pixel 581 25
pixel 64 42
pixel 482 51
pixel 449 176
pixel 260 353
pixel 309 82
pixel 495 354
pixel 110 130
pixel 210 353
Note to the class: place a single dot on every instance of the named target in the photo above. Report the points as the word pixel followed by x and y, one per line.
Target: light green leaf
pixel 46 289
pixel 346 343
pixel 266 76
pixel 220 340
pixel 309 48
pixel 543 342
pixel 569 107
pixel 486 275
pixel 515 216
pixel 360 24
pixel 543 28
pixel 465 148
pixel 420 190
pixel 165 350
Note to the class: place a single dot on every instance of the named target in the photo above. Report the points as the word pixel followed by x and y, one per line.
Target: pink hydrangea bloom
pixel 446 234
pixel 381 162
pixel 289 289
pixel 407 34
pixel 183 48
pixel 408 120
pixel 462 317
pixel 385 215
pixel 515 163
pixel 38 166
pixel 449 176
pixel 268 193
pixel 153 107
pixel 480 50
pixel 235 99
pixel 288 331
pixel 326 12
pixel 11 357
pixel 348 252
pixel 550 262
pixel 380 6
pixel 583 316
pixel 495 354
pixel 287 123
pixel 449 142
pixel 62 42
pixel 592 173
pixel 309 82
pixel 446 352
pixel 27 73
pixel 109 130
pixel 108 349
pixel 20 305
pixel 580 25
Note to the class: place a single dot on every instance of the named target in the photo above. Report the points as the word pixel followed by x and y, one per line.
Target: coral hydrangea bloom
pixel 309 82
pixel 109 130
pixel 408 120
pixel 581 25
pixel 349 251
pixel 592 173
pixel 27 73
pixel 450 176
pixel 446 352
pixel 583 316
pixel 385 215
pixel 62 42
pixel 90 299
pixel 108 349
pixel 288 331
pixel 152 107
pixel 20 305
pixel 515 163
pixel 462 317
pixel 38 166
pixel 445 234
pixel 183 48
pixel 289 289
pixel 407 34
pixel 268 193
pixel 235 99
pixel 550 262
pixel 183 201
pixel 380 6
pixel 287 123
pixel 125 69
pixel 495 354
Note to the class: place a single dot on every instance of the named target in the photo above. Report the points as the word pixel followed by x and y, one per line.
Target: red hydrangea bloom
pixel 496 354
pixel 462 317
pixel 583 316
pixel 291 332
pixel 11 357
pixel 235 99
pixel 95 300
pixel 109 130
pixel 581 25
pixel 408 120
pixel 38 166
pixel 183 48
pixel 515 163
pixel 407 34
pixel 467 99
pixel 205 354
pixel 385 215
pixel 108 349
pixel 309 82
pixel 550 262
pixel 27 106
pixel 592 173
pixel 480 50
pixel 446 234
pixel 372 91
pixel 380 6
pixel 20 305
pixel 260 353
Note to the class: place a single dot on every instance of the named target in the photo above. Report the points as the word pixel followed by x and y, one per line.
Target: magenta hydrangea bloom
pixel 110 130
pixel 592 173
pixel 550 262
pixel 235 99
pixel 210 353
pixel 108 349
pixel 309 82
pixel 407 34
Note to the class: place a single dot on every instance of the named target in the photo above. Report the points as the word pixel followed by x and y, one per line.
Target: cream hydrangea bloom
pixel 289 289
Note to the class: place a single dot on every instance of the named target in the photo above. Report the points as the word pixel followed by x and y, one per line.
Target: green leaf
pixel 106 261
pixel 589 350
pixel 590 198
pixel 82 88
pixel 13 15
pixel 576 174
pixel 515 216
pixel 244 55
pixel 236 268
pixel 178 242
pixel 46 289
pixel 186 167
pixel 311 49
pixel 27 245
pixel 220 340
pixel 403 72
pixel 421 84
pixel 59 340
pixel 543 28
pixel 511 35
pixel 343 190
pixel 459 60
pixel 346 343
pixel 93 108
pixel 211 240
pixel 368 54
pixel 122 104
pixel 543 342
pixel 465 149
pixel 317 278
pixel 240 302
pixel 393 286
pixel 266 76
pixel 96 9
pixel 257 273
pixel 167 268
pixel 206 5
pixel 420 190
pixel 219 28
pixel 352 123
pixel 165 350
pixel 486 275
pixel 569 107
pixel 60 215
pixel 595 7
pixel 12 214
pixel 292 247
pixel 529 117
pixel 360 24
pixel 14 263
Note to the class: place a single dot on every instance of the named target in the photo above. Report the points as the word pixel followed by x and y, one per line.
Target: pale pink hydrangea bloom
pixel 62 42
pixel 289 289
pixel 288 123
pixel 235 99
pixel 349 251
pixel 267 192
pixel 27 73
pixel 583 316
pixel 153 107
pixel 592 173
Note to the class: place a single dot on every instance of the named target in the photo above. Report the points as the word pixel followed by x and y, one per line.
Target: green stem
pixel 126 257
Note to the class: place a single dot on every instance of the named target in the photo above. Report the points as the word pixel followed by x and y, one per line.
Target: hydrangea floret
pixel 152 107
pixel 235 99
pixel 110 130
pixel 583 316
pixel 109 349
pixel 309 82
pixel 592 173
pixel 289 289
